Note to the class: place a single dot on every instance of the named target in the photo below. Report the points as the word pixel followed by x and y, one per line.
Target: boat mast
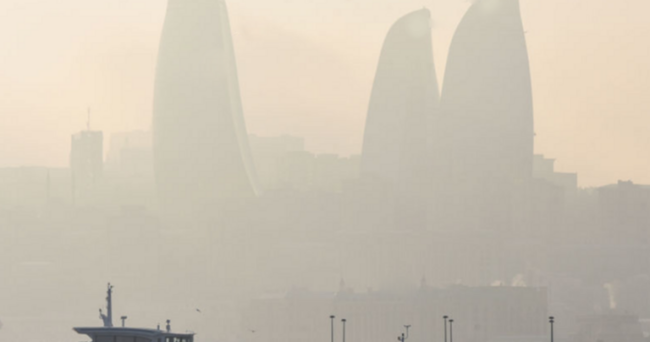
pixel 108 318
pixel 109 306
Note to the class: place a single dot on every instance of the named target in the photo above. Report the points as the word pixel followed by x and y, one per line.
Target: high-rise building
pixel 201 150
pixel 402 115
pixel 403 101
pixel 86 157
pixel 487 93
pixel 487 98
pixel 130 154
pixel 86 164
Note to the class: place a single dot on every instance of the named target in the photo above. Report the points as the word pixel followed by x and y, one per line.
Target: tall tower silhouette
pixel 402 116
pixel 201 152
pixel 487 97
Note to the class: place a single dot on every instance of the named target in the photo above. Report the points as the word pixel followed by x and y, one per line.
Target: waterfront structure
pixel 486 313
pixel 201 150
pixel 610 326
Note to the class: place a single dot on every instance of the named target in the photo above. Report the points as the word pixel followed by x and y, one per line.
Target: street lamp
pixel 332 323
pixel 552 321
pixel 344 320
pixel 445 318
pixel 403 337
pixel 451 330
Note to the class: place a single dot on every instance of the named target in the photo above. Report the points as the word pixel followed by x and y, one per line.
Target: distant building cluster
pixel 282 164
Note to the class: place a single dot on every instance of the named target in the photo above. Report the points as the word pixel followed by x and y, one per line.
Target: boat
pixel 110 333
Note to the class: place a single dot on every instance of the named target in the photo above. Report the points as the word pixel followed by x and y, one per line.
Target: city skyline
pixel 232 212
pixel 581 138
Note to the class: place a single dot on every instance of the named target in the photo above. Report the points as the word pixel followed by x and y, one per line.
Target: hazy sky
pixel 306 68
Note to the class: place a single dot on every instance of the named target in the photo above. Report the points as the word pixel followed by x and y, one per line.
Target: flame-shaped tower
pixel 487 98
pixel 201 151
pixel 402 118
pixel 403 101
pixel 487 94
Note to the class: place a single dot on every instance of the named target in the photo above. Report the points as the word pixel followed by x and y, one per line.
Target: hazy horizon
pixel 254 168
pixel 588 62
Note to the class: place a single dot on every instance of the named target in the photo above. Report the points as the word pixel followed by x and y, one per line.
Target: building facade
pixel 201 150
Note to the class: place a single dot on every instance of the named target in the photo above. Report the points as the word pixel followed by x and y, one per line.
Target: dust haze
pixel 324 171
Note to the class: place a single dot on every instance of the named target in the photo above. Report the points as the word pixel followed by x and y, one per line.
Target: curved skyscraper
pixel 201 152
pixel 403 101
pixel 402 114
pixel 487 94
pixel 487 97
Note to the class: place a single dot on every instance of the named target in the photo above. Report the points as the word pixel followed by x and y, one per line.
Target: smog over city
pixel 324 171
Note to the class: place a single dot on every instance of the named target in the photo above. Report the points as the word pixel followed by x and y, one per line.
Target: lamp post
pixel 343 321
pixel 451 330
pixel 407 330
pixel 332 325
pixel 551 320
pixel 445 318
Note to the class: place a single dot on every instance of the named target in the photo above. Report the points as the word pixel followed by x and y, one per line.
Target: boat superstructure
pixel 110 333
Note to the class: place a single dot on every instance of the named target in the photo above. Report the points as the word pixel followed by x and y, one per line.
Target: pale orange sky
pixel 306 68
